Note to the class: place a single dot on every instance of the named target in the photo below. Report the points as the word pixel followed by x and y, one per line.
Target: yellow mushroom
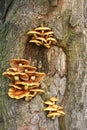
pixel 42 28
pixel 37 90
pixel 53 99
pixel 35 41
pixel 53 114
pixel 51 39
pixel 34 32
pixel 41 39
pixel 48 102
pixel 48 33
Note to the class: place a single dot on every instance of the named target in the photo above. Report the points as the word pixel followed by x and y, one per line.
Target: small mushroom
pixel 53 115
pixel 42 39
pixel 48 102
pixel 33 32
pixel 15 63
pixel 53 99
pixel 48 33
pixel 36 41
pixel 50 108
pixel 29 85
pixel 42 28
pixel 52 39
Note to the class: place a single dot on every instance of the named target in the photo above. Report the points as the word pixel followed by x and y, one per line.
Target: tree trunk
pixel 64 64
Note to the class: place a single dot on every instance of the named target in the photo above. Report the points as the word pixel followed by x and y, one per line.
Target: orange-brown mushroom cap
pixel 18 62
pixel 38 76
pixel 17 94
pixel 27 68
pixel 12 70
pixel 16 75
pixel 32 85
pixel 12 84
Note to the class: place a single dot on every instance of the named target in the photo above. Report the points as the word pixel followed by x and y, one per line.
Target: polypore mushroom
pixel 42 28
pixel 15 63
pixel 50 108
pixel 53 99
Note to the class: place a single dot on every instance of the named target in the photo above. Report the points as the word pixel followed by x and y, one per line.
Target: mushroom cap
pixel 10 74
pixel 16 75
pixel 53 40
pixel 49 108
pixel 60 107
pixel 17 94
pixel 42 28
pixel 35 41
pixel 12 69
pixel 41 39
pixel 48 102
pixel 48 33
pixel 33 32
pixel 36 84
pixel 53 114
pixel 47 45
pixel 37 90
pixel 26 68
pixel 15 63
pixel 61 112
pixel 53 99
pixel 12 84
pixel 38 76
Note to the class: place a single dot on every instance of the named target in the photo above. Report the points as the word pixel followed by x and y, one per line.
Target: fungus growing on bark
pixel 42 36
pixel 53 109
pixel 25 80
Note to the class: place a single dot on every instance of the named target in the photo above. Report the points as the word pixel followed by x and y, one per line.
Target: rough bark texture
pixel 65 64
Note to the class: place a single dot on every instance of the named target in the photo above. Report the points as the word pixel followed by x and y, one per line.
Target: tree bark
pixel 64 64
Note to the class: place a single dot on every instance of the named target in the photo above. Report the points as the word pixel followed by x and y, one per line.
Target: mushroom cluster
pixel 25 80
pixel 53 109
pixel 42 36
